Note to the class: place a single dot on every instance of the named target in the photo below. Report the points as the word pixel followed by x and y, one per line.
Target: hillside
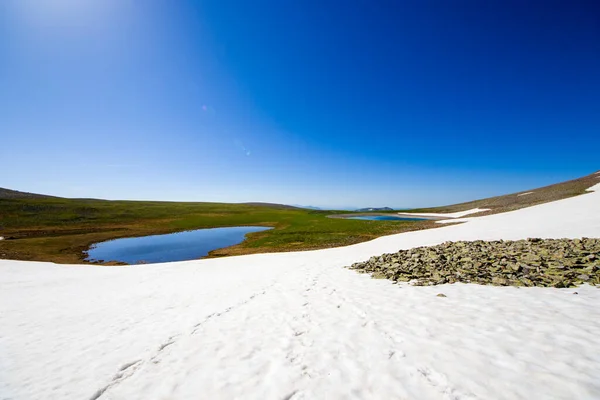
pixel 519 200
pixel 45 228
pixel 15 194
pixel 270 205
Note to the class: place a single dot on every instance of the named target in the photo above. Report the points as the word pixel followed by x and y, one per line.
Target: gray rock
pixel 531 262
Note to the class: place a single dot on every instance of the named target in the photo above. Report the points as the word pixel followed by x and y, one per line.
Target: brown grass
pixel 513 201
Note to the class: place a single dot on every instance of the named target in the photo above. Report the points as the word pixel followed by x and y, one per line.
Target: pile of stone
pixel 531 262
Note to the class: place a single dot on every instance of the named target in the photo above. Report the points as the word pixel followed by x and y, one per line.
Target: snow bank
pixel 298 326
pixel 453 220
pixel 449 215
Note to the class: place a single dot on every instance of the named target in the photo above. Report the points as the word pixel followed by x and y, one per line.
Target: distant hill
pixel 375 209
pixel 15 194
pixel 270 205
pixel 306 207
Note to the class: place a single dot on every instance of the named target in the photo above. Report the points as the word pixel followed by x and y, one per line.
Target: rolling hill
pixel 521 199
pixel 15 194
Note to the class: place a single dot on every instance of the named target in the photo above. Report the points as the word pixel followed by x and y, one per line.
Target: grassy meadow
pixel 60 230
pixel 55 229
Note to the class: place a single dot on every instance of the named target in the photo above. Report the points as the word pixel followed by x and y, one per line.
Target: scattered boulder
pixel 531 262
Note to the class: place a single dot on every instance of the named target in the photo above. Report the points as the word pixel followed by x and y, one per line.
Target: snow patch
pixel 594 188
pixel 453 220
pixel 449 215
pixel 524 194
pixel 298 325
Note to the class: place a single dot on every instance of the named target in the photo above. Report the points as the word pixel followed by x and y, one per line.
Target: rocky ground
pixel 531 262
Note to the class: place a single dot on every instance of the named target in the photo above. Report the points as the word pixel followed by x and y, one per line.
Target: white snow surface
pixel 450 215
pixel 524 194
pixel 299 326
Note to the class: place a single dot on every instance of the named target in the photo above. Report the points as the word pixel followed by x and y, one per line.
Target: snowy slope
pixel 449 215
pixel 299 326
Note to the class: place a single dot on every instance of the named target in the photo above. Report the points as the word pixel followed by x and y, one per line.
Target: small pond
pixel 386 218
pixel 180 246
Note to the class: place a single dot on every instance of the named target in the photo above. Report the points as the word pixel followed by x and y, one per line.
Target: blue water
pixel 386 218
pixel 180 246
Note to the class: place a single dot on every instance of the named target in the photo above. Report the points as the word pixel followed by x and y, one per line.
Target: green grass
pixel 59 230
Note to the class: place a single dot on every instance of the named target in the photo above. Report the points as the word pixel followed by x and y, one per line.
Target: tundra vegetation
pixel 45 228
pixel 60 230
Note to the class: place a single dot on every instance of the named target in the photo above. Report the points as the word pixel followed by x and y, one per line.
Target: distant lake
pixel 386 218
pixel 180 246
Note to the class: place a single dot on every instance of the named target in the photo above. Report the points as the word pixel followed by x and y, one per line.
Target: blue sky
pixel 327 103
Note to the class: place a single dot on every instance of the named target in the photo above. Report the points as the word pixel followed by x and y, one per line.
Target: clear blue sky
pixel 327 103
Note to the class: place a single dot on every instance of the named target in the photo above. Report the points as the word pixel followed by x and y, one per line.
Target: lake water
pixel 181 246
pixel 386 218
